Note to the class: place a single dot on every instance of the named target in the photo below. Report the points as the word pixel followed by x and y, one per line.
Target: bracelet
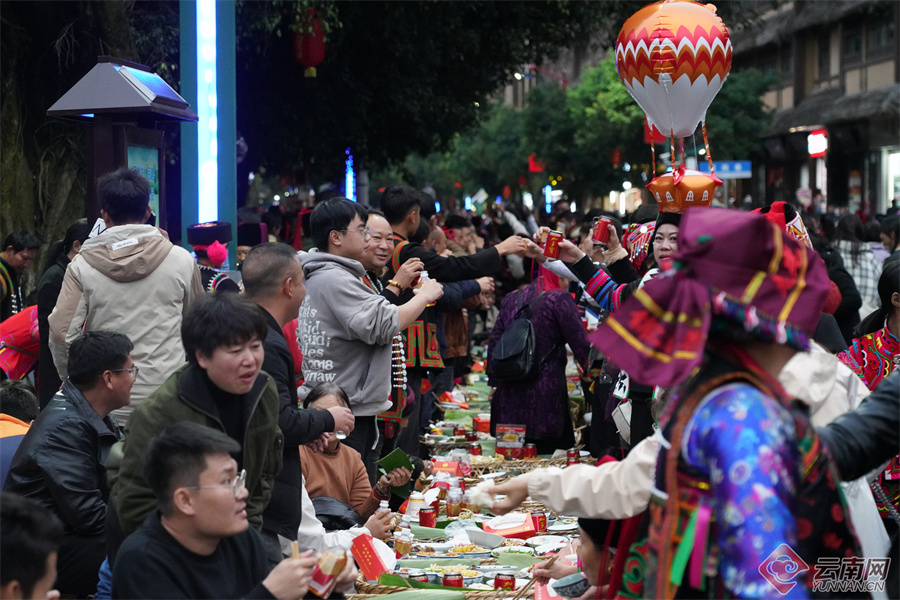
pixel 380 492
pixel 395 284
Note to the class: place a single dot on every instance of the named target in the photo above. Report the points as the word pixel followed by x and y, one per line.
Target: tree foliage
pixel 398 77
pixel 576 132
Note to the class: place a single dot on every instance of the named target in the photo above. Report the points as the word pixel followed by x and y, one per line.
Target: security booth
pixel 123 104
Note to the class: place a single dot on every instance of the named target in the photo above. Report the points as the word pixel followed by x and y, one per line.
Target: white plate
pixel 521 550
pixel 551 547
pixel 563 526
pixel 541 540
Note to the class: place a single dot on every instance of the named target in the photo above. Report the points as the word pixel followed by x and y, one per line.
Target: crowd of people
pixel 196 434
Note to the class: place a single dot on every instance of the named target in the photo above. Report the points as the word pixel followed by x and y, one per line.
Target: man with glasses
pixel 61 462
pixel 199 544
pixel 345 329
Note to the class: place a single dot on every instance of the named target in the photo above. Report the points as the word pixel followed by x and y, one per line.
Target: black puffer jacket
pixel 299 426
pixel 61 462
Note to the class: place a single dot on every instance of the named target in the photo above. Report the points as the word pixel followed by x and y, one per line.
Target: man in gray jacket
pixel 129 279
pixel 344 328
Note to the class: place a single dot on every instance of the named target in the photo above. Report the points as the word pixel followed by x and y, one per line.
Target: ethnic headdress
pixel 731 270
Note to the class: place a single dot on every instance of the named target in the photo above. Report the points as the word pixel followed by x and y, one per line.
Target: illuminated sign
pixel 817 143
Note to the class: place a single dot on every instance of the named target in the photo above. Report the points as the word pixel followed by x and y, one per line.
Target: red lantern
pixel 309 48
pixel 617 158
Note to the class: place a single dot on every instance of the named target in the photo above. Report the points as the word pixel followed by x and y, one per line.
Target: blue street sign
pixel 730 169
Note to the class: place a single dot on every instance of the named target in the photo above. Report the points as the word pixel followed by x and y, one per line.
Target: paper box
pixel 366 552
pixel 513 525
pixel 482 425
pixel 447 467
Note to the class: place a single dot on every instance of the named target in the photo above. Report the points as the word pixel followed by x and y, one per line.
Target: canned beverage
pixel 543 237
pixel 423 578
pixel 571 457
pixel 475 449
pixel 471 436
pixel 462 484
pixel 601 230
pixel 504 581
pixel 427 516
pixel 459 431
pixel 452 580
pixel 551 247
pixel 540 522
pixel 530 451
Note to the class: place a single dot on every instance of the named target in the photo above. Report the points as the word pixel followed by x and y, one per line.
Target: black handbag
pixel 514 357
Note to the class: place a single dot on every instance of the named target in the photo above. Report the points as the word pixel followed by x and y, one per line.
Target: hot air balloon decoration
pixel 673 57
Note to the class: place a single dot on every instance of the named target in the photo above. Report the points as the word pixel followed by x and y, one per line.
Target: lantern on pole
pixel 309 46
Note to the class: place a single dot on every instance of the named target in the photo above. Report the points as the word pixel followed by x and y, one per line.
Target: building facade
pixel 836 125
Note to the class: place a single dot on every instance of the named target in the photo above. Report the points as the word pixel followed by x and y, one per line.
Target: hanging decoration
pixel 673 57
pixel 309 46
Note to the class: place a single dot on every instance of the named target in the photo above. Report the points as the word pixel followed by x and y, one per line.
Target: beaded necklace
pixel 398 360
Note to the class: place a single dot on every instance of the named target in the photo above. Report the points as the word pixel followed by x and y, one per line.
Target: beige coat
pixel 132 280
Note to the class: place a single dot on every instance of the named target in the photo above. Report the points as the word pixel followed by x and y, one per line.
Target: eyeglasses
pixel 363 232
pixel 133 370
pixel 236 484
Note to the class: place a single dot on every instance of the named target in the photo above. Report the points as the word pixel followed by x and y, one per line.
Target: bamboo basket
pixel 370 590
pixel 523 465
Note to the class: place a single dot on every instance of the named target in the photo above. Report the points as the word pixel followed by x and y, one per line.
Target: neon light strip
pixel 349 177
pixel 207 140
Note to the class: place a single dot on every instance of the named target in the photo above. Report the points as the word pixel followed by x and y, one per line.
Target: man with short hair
pixel 402 206
pixel 130 279
pixel 273 279
pixel 222 387
pixel 199 543
pixel 61 462
pixel 18 408
pixel 29 539
pixel 345 329
pixel 19 249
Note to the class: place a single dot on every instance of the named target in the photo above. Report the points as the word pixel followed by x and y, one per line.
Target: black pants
pixel 78 564
pixel 366 439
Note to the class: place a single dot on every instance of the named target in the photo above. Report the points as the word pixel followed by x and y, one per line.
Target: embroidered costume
pixel 873 357
pixel 740 471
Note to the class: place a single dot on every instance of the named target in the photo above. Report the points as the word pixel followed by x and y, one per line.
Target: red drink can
pixel 462 484
pixel 427 516
pixel 459 431
pixel 601 231
pixel 453 580
pixel 571 457
pixel 551 247
pixel 540 522
pixel 471 436
pixel 530 451
pixel 504 581
pixel 423 578
pixel 475 449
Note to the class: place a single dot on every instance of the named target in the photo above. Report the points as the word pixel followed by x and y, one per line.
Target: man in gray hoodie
pixel 345 329
pixel 130 279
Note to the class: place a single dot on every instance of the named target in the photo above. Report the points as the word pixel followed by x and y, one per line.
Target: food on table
pixel 513 542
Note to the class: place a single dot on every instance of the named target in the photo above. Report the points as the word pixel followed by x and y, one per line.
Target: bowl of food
pixel 483 538
pixel 571 586
pixel 524 550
